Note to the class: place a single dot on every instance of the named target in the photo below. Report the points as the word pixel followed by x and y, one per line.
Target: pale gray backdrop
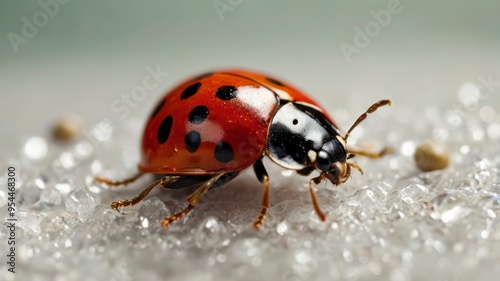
pixel 82 56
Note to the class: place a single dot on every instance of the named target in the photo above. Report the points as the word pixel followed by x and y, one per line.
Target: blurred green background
pixel 84 56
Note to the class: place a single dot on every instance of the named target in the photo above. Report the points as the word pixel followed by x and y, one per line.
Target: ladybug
pixel 211 127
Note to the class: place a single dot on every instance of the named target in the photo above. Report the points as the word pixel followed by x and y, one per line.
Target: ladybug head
pixel 331 160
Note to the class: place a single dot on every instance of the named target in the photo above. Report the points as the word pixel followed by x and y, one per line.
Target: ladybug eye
pixel 323 161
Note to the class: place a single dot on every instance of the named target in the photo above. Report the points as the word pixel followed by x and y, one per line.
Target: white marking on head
pixel 312 155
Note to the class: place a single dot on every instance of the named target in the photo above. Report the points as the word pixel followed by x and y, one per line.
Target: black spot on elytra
pixel 274 81
pixel 295 121
pixel 192 141
pixel 198 114
pixel 224 152
pixel 164 130
pixel 158 108
pixel 203 75
pixel 190 91
pixel 226 92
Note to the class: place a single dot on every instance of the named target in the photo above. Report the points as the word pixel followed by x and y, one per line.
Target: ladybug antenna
pixel 363 116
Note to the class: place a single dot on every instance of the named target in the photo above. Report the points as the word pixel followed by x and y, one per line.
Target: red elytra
pixel 212 126
pixel 241 122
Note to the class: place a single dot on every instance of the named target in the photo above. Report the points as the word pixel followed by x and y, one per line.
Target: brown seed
pixel 431 155
pixel 67 127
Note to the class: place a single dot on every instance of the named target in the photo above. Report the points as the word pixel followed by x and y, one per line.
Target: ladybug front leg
pixel 263 177
pixel 314 199
pixel 192 199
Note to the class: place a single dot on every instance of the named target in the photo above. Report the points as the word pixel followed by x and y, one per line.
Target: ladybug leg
pixel 192 200
pixel 162 182
pixel 371 154
pixel 312 182
pixel 122 182
pixel 263 177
